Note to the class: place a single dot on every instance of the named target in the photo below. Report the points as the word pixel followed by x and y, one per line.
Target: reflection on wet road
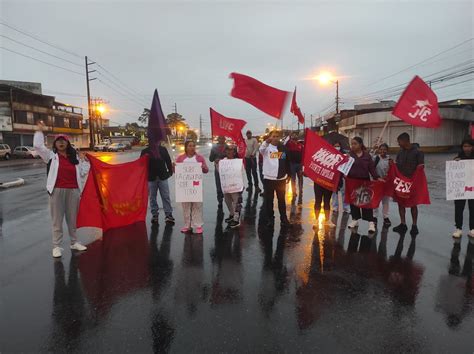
pixel 150 288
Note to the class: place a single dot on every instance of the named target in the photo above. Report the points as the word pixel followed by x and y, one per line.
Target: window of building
pixel 20 117
pixel 66 123
pixel 74 123
pixel 30 119
pixel 59 122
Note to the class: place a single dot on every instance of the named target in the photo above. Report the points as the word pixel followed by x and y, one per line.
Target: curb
pixel 15 183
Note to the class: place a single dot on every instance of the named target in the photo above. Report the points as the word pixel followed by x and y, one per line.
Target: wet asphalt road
pixel 145 289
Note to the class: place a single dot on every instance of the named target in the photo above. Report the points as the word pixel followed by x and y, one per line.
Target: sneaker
pixel 198 230
pixel 402 228
pixel 169 219
pixel 185 230
pixel 372 227
pixel 154 219
pixel 387 222
pixel 457 233
pixel 471 233
pixel 347 211
pixel 353 224
pixel 57 252
pixel 234 224
pixel 414 230
pixel 78 247
pixel 329 223
pixel 229 219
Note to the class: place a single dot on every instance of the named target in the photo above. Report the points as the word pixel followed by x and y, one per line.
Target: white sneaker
pixel 371 227
pixel 353 224
pixel 78 247
pixel 471 233
pixel 329 223
pixel 57 252
pixel 457 233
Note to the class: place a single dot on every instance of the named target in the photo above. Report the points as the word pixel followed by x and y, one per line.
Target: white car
pixel 101 147
pixel 116 147
pixel 5 151
pixel 25 152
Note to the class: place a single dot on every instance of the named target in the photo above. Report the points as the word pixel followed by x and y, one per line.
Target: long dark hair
pixel 360 141
pixel 186 143
pixel 71 153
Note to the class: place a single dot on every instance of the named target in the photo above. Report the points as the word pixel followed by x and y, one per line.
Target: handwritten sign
pixel 188 182
pixel 230 172
pixel 460 179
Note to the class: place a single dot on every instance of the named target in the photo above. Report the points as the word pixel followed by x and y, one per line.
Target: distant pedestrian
pixel 340 189
pixel 192 211
pixel 408 159
pixel 251 161
pixel 276 169
pixel 218 153
pixel 466 153
pixel 362 168
pixel 382 164
pixel 295 155
pixel 65 170
pixel 233 200
pixel 160 169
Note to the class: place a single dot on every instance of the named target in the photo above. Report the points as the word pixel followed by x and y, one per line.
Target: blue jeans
pixel 164 189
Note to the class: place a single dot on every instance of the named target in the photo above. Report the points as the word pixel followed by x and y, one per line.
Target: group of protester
pixel 279 162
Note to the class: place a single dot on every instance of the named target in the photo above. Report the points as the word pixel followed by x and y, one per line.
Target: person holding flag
pixel 382 164
pixel 276 169
pixel 407 161
pixel 218 152
pixel 251 161
pixel 65 170
pixel 295 154
pixel 233 200
pixel 362 168
pixel 192 211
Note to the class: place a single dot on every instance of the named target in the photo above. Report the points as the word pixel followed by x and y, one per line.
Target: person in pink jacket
pixel 192 211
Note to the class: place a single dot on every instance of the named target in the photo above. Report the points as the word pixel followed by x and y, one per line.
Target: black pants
pixel 251 170
pixel 322 194
pixel 459 210
pixel 220 195
pixel 270 188
pixel 367 214
pixel 260 172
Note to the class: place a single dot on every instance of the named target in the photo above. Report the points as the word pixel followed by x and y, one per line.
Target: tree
pixel 175 122
pixel 144 116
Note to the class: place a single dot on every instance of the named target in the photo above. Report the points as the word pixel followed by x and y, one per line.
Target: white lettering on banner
pixel 230 173
pixel 460 179
pixel 226 125
pixel 422 110
pixel 401 185
pixel 188 182
pixel 326 158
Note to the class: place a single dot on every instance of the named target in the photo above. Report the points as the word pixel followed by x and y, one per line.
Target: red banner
pixel 363 193
pixel 266 98
pixel 229 127
pixel 406 191
pixel 295 109
pixel 321 160
pixel 114 195
pixel 418 105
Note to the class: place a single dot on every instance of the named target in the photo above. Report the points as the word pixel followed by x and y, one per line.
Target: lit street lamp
pixel 325 78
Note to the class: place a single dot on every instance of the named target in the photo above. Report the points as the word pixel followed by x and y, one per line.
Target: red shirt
pixel 66 174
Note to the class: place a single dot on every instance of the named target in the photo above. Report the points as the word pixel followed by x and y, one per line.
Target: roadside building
pixel 368 121
pixel 21 109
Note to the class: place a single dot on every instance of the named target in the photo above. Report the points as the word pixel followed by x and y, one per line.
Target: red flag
pixel 364 194
pixel 266 98
pixel 114 195
pixel 418 105
pixel 229 127
pixel 241 147
pixel 295 109
pixel 407 191
pixel 321 160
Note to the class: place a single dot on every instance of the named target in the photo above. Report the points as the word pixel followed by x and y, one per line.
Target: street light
pixel 324 78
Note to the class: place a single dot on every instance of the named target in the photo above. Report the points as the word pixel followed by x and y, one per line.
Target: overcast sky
pixel 187 49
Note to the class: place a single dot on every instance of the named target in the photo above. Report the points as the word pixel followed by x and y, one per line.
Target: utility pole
pixel 200 127
pixel 91 120
pixel 311 121
pixel 175 108
pixel 337 96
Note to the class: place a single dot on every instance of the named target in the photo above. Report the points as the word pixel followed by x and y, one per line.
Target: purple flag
pixel 157 129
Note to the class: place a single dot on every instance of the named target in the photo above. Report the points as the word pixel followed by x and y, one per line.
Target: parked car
pixel 101 147
pixel 5 151
pixel 116 147
pixel 25 152
pixel 128 145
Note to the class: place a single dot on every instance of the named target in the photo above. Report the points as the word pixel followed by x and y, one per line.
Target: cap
pixel 62 136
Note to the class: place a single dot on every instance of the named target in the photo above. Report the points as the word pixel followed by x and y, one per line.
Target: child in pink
pixel 192 211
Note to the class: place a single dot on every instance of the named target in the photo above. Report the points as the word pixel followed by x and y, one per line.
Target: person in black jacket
pixel 466 153
pixel 159 170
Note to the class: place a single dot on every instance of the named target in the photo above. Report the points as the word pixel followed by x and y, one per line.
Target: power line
pixel 40 40
pixel 39 50
pixel 121 93
pixel 121 88
pixel 42 61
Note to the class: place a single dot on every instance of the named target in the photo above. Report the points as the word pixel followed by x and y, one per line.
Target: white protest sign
pixel 346 167
pixel 460 179
pixel 230 172
pixel 188 182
